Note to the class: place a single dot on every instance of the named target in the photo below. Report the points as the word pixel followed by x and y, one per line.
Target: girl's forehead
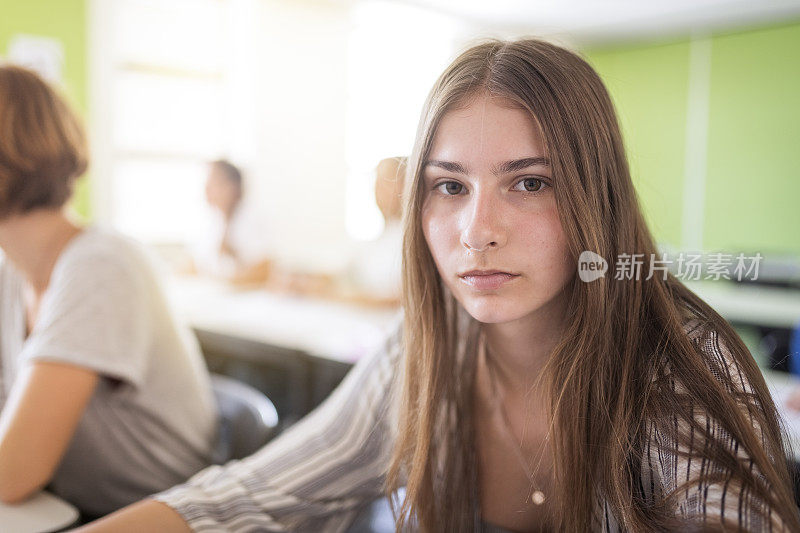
pixel 490 126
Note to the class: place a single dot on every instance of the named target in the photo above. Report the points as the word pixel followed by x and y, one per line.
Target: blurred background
pixel 306 97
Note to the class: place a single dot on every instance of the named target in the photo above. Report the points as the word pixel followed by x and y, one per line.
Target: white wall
pixel 315 93
pixel 298 172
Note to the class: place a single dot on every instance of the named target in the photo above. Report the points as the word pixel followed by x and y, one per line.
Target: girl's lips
pixel 488 281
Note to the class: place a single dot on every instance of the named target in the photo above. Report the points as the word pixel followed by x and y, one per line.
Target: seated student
pixel 520 394
pixel 105 397
pixel 374 272
pixel 372 276
pixel 235 246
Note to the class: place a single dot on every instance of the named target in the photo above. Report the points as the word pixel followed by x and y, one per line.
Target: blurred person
pixel 374 272
pixel 372 276
pixel 105 397
pixel 235 247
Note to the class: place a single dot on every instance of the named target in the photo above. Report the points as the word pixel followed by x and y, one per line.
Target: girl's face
pixel 489 213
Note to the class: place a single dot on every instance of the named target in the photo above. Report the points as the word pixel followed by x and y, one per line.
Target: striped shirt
pixel 319 474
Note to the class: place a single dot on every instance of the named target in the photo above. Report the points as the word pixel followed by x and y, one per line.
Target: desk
pixel 294 349
pixel 320 328
pixel 747 304
pixel 42 513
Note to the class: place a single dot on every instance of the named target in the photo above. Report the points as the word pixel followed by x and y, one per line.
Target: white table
pixel 757 305
pixel 41 513
pixel 320 328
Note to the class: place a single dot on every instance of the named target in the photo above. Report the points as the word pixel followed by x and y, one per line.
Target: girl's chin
pixel 494 314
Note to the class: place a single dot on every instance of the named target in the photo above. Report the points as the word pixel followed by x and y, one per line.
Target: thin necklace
pixel 537 496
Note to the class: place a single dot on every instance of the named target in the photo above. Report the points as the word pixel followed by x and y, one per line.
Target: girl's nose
pixel 483 223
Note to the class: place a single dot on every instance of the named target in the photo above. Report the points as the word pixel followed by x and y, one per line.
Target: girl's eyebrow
pixel 520 164
pixel 449 166
pixel 514 165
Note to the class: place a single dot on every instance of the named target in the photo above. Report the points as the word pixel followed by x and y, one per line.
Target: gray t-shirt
pixel 152 419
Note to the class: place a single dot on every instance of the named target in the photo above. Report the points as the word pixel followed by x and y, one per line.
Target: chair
pixel 247 419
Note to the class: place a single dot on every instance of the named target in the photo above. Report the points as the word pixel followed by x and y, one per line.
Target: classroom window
pixel 170 108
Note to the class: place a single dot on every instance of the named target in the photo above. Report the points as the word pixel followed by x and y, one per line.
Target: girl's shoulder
pixel 693 328
pixel 99 242
pixel 99 253
pixel 718 355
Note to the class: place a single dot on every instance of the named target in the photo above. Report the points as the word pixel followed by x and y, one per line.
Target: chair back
pixel 247 419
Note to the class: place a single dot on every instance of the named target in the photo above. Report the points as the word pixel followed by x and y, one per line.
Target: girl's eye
pixel 530 185
pixel 450 188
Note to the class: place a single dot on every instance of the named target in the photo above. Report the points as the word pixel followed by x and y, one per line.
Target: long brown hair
pixel 612 376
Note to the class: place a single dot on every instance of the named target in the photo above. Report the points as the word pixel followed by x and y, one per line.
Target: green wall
pixel 752 176
pixel 65 20
pixel 649 88
pixel 753 181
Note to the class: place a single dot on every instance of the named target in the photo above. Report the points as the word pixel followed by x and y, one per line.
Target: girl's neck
pixel 33 242
pixel 519 350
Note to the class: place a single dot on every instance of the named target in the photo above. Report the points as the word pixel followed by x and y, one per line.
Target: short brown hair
pixel 42 144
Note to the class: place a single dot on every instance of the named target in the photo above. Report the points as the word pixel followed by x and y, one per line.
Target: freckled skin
pixel 479 218
pixel 495 221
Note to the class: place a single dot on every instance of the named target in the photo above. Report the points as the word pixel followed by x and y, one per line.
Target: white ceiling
pixel 603 21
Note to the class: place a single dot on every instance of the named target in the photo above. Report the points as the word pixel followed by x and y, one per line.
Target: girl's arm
pixel 316 476
pixel 44 408
pixel 147 515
